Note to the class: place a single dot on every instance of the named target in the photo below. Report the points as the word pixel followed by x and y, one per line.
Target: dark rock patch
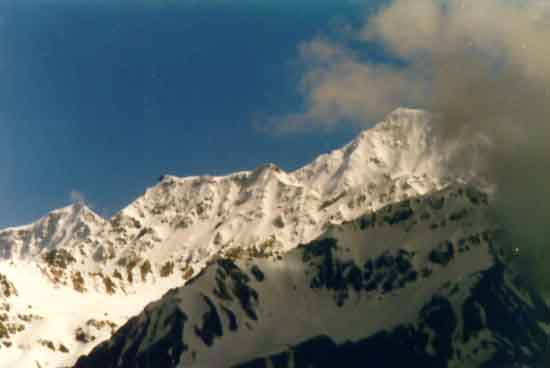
pixel 232 319
pixel 400 215
pixel 443 254
pixel 257 273
pixel 436 202
pixel 439 316
pixel 211 324
pixel 367 221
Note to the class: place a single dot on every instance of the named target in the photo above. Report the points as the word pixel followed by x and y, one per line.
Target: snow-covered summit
pixel 61 228
pixel 398 146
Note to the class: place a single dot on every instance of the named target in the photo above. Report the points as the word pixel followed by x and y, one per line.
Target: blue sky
pixel 102 97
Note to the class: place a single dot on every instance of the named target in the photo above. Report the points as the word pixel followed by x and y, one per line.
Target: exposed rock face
pixel 6 287
pixel 388 288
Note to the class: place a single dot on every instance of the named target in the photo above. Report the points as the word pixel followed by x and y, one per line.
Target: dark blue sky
pixel 105 96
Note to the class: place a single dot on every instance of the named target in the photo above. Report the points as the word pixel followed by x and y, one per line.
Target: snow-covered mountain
pixel 420 283
pixel 72 277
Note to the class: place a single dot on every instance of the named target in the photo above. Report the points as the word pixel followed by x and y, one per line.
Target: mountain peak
pixel 76 211
pixel 181 225
pixel 269 167
pixel 398 146
pixel 62 227
pixel 404 112
pixel 267 172
pixel 403 119
pixel 75 207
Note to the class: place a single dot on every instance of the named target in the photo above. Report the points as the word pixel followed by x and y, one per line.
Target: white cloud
pixel 337 86
pixel 447 47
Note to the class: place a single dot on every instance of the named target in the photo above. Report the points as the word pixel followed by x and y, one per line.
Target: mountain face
pixel 420 282
pixel 71 279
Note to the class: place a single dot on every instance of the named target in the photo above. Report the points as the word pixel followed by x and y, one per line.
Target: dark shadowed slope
pixel 421 282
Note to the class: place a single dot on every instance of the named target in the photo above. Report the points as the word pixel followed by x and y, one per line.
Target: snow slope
pixel 77 275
